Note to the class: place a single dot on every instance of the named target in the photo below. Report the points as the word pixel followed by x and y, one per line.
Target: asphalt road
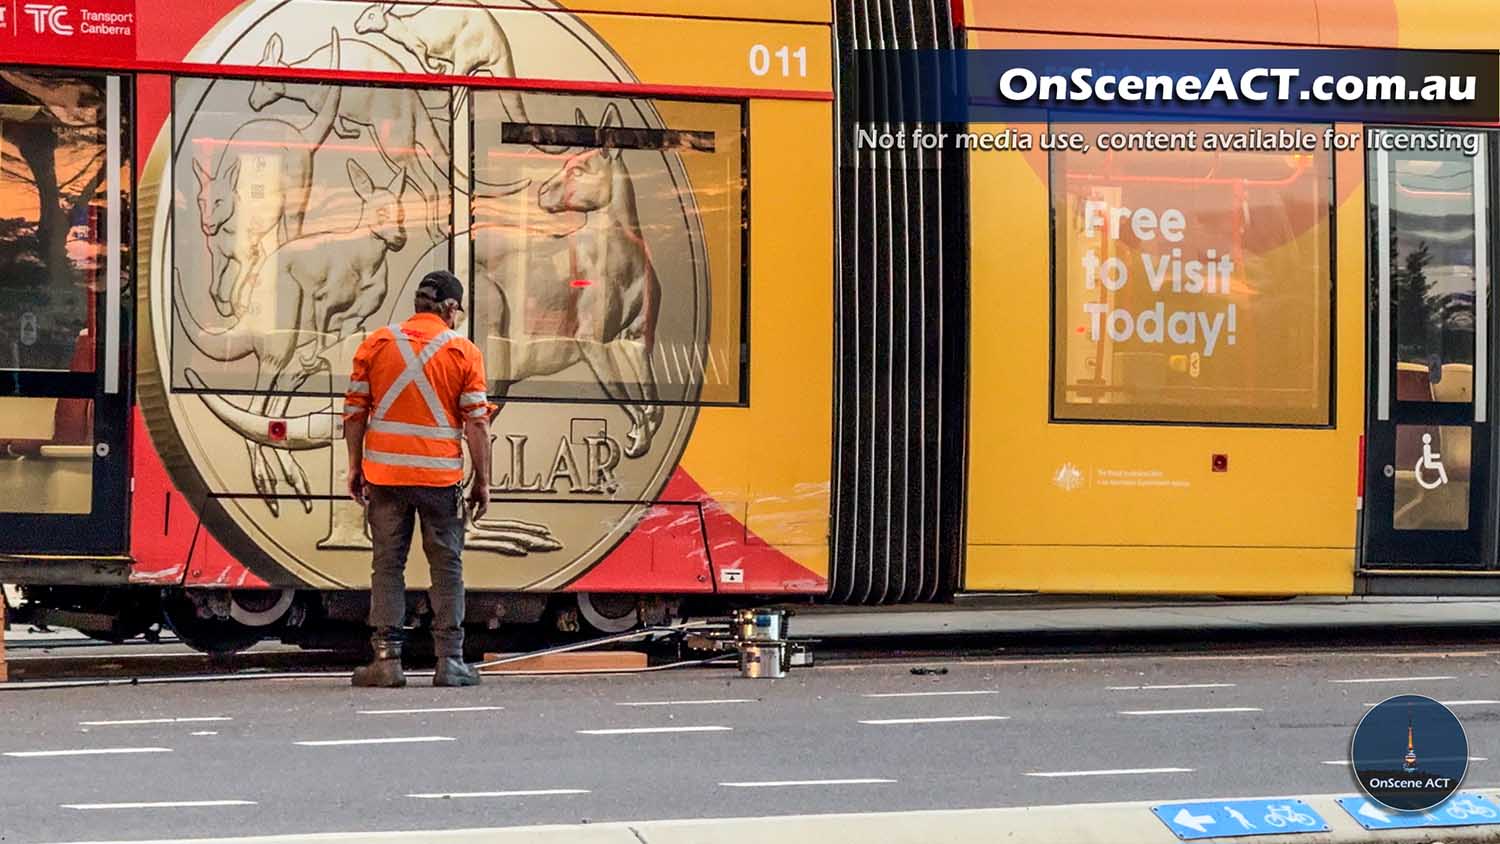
pixel 297 756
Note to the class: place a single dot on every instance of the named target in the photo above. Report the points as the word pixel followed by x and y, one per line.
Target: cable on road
pixel 663 630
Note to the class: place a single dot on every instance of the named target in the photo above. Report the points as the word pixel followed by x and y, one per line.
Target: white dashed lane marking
pixel 1458 703
pixel 136 722
pixel 90 751
pixel 399 740
pixel 1346 763
pixel 170 804
pixel 1163 687
pixel 947 719
pixel 791 783
pixel 1199 711
pixel 1110 772
pixel 534 792
pixel 935 694
pixel 632 731
pixel 1396 679
pixel 684 702
pixel 431 709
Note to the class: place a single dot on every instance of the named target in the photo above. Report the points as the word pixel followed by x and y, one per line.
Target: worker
pixel 415 390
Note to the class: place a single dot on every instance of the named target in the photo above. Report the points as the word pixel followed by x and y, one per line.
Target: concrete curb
pixel 1095 823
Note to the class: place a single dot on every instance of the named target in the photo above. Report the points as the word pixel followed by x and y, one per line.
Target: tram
pixel 737 357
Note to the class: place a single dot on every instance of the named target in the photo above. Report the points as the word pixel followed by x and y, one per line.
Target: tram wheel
pixel 609 612
pixel 211 635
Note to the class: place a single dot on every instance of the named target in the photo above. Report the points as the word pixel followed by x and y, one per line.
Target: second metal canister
pixel 760 625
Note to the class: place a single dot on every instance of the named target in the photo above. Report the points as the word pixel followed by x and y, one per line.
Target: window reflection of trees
pixel 1432 257
pixel 52 181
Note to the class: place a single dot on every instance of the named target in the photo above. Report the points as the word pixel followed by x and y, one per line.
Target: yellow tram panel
pixel 1112 506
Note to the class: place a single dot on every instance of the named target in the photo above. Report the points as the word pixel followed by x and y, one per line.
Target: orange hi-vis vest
pixel 417 381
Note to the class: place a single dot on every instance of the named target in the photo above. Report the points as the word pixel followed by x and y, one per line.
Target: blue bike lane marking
pixel 1464 808
pixel 1231 818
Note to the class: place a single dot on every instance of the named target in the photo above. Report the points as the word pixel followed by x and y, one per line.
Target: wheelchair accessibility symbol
pixel 1430 461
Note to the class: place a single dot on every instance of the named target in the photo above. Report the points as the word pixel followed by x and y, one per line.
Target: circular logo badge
pixel 1409 753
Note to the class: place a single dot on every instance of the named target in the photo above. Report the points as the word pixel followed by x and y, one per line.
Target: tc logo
pixel 48 17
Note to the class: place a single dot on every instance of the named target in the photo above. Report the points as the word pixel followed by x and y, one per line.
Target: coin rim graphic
pixel 1354 766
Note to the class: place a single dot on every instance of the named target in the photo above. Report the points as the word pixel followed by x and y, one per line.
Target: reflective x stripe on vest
pixel 414 376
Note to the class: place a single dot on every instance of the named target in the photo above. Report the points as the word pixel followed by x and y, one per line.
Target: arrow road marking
pixel 1369 811
pixel 1192 821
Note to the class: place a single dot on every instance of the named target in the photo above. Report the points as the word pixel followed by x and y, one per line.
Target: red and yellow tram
pixel 738 357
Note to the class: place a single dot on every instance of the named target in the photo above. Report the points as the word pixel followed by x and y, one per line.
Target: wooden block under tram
pixel 564 662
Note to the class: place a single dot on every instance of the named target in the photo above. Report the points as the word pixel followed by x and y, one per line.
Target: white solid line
pixel 934 694
pixel 1110 773
pixel 537 792
pixel 93 751
pixel 779 783
pixel 432 709
pixel 204 733
pixel 173 804
pixel 1171 686
pixel 401 740
pixel 938 720
pixel 630 731
pixel 683 702
pixel 1190 711
pixel 140 721
pixel 1396 679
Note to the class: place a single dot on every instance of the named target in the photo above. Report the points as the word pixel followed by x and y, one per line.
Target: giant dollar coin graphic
pixel 288 219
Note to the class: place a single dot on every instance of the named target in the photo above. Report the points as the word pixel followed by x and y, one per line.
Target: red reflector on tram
pixel 1221 462
pixel 580 282
pixel 276 429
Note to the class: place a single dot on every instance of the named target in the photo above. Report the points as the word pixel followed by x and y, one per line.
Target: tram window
pixel 46 455
pixel 1432 249
pixel 1192 286
pixel 305 215
pixel 608 248
pixel 52 204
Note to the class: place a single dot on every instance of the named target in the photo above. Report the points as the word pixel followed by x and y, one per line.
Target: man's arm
pixel 475 408
pixel 477 435
pixel 354 436
pixel 356 417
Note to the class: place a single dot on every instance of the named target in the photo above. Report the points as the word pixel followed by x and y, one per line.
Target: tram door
pixel 64 321
pixel 1427 472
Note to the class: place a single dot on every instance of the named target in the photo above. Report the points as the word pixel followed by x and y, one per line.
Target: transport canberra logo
pixel 1409 753
pixel 65 20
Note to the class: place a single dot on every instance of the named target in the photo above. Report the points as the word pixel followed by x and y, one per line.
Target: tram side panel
pixel 682 448
pixel 1128 434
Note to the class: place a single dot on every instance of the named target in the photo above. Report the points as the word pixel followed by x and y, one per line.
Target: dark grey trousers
pixel 393 511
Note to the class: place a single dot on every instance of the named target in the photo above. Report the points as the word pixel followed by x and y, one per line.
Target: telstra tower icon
pixel 1409 764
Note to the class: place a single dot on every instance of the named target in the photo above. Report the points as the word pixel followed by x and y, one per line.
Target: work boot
pixel 453 671
pixel 385 670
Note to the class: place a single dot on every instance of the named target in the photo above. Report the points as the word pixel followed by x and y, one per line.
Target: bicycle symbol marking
pixel 1430 460
pixel 1464 808
pixel 1281 814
